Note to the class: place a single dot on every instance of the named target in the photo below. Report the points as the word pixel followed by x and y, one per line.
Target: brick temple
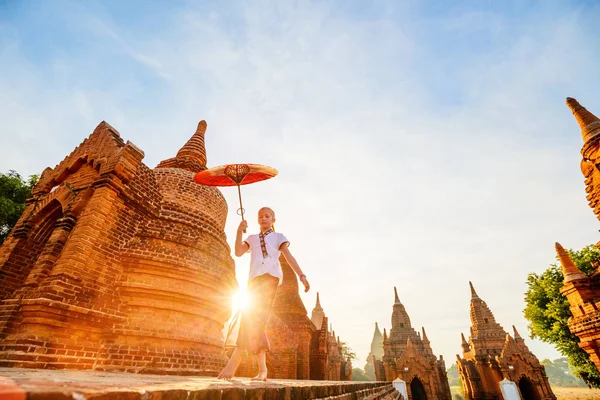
pixel 583 292
pixel 492 355
pixel 408 355
pixel 114 266
pixel 376 350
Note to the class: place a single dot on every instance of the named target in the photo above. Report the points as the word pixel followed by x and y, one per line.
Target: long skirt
pixel 247 330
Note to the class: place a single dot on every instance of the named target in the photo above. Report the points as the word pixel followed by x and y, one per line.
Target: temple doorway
pixel 417 390
pixel 528 390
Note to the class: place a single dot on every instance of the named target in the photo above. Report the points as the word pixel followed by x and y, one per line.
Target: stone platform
pixel 37 384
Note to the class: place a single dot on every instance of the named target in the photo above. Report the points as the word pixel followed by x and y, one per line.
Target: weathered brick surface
pixel 583 292
pixel 46 385
pixel 408 355
pixel 115 266
pixel 492 355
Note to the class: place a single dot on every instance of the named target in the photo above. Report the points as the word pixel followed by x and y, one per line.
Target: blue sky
pixel 419 144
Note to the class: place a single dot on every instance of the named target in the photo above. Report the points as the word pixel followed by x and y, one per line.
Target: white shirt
pixel 269 264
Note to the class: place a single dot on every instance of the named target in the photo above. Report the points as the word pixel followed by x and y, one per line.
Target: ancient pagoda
pixel 408 355
pixel 583 292
pixel 491 355
pixel 117 266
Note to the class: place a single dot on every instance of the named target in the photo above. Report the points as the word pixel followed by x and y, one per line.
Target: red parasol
pixel 235 175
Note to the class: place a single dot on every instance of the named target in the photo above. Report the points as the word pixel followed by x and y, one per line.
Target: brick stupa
pixel 117 266
pixel 583 292
pixel 408 355
pixel 492 355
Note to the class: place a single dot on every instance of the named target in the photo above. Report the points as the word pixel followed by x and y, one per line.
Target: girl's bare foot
pixel 262 376
pixel 232 365
pixel 227 372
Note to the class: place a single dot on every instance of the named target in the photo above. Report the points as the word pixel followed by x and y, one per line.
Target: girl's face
pixel 265 219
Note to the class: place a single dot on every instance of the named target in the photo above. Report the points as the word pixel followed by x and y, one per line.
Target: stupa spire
pixel 473 292
pixel 569 269
pixel 377 331
pixel 482 319
pixel 588 122
pixel 517 336
pixel 192 156
pixel 400 318
pixel 317 314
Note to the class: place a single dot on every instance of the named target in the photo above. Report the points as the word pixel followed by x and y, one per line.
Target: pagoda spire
pixel 377 332
pixel 483 322
pixel 473 292
pixel 465 345
pixel 569 269
pixel 424 337
pixel 192 156
pixel 426 342
pixel 377 343
pixel 317 314
pixel 400 318
pixel 385 337
pixel 517 336
pixel 588 122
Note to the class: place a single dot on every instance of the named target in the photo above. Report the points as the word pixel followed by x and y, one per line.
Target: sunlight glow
pixel 240 300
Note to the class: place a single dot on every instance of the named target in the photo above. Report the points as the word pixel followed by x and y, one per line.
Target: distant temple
pixel 376 351
pixel 115 266
pixel 408 355
pixel 492 355
pixel 301 348
pixel 583 292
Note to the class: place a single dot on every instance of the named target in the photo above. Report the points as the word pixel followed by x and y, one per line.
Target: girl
pixel 248 331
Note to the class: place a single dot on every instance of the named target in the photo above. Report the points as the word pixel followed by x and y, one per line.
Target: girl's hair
pixel 272 213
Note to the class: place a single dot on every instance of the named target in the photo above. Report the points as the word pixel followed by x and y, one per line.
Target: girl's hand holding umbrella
pixel 243 226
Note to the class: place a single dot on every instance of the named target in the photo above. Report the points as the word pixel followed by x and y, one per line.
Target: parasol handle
pixel 241 209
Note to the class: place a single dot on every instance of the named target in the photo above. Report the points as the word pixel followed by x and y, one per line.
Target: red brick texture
pixel 408 356
pixel 492 355
pixel 53 385
pixel 116 266
pixel 583 292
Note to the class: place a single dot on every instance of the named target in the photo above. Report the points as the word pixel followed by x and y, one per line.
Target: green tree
pixel 359 375
pixel 453 376
pixel 13 193
pixel 455 383
pixel 559 374
pixel 547 311
pixel 347 352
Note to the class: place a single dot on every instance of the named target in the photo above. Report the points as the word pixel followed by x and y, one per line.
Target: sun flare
pixel 240 300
